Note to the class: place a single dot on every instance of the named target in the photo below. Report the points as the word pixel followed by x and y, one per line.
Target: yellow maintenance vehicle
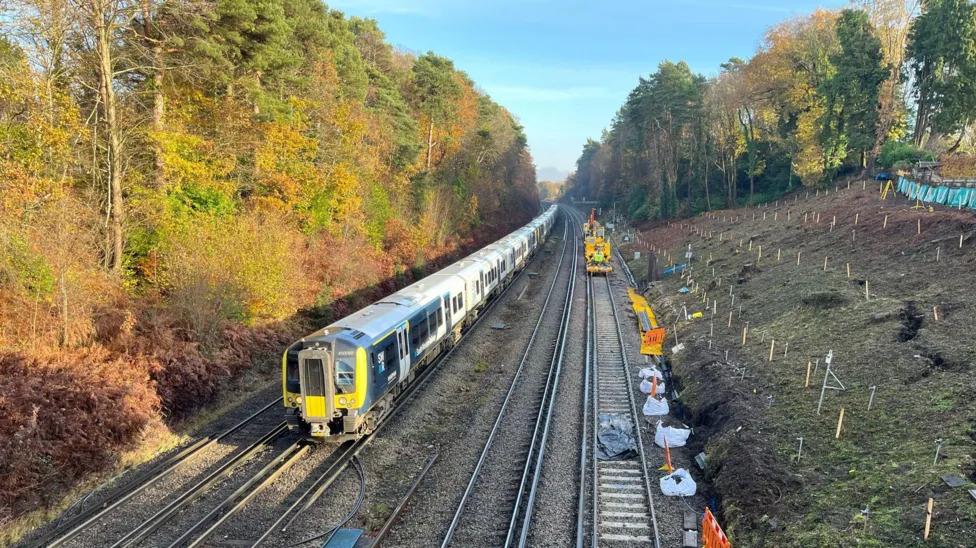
pixel 596 247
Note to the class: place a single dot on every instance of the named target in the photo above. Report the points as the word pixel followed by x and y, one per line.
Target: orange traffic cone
pixel 667 458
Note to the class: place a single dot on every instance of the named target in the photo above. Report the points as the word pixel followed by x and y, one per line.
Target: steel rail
pixel 253 485
pixel 633 410
pixel 353 449
pixel 388 524
pixel 456 519
pixel 251 492
pixel 148 526
pixel 85 520
pixel 540 440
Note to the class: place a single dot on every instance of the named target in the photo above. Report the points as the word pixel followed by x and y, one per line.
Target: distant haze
pixel 550 173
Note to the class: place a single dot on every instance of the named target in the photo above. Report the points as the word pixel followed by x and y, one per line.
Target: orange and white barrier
pixel 712 534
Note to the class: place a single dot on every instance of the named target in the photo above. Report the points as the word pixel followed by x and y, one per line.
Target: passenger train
pixel 340 381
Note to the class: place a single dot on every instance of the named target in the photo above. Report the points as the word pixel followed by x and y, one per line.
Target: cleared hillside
pixel 870 487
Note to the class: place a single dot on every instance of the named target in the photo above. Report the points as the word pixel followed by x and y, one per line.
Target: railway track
pixel 620 497
pixel 83 521
pixel 503 485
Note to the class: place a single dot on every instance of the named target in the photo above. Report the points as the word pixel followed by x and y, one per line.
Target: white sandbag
pixel 647 385
pixel 678 484
pixel 676 437
pixel 656 406
pixel 648 372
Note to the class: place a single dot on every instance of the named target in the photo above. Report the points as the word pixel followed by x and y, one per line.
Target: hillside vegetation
pixel 184 183
pixel 830 94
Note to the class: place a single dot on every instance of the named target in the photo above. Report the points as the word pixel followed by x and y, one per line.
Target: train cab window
pixel 345 377
pixel 314 377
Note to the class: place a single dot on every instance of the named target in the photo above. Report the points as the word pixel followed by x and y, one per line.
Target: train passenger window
pixel 440 317
pixel 379 362
pixel 460 299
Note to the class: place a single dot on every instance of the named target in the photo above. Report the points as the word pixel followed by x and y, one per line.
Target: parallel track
pixel 621 499
pixel 514 451
pixel 88 518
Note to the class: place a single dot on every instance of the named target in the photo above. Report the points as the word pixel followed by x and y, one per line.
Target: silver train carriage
pixel 340 381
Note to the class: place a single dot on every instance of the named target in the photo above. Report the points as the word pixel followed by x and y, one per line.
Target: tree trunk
pixel 106 75
pixel 154 45
pixel 430 141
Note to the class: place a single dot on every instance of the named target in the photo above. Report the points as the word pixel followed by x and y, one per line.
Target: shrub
pixel 63 417
pixel 898 155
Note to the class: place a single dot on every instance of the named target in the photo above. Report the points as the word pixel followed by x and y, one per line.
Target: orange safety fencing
pixel 712 534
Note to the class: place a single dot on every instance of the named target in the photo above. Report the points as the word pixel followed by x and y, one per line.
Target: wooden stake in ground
pixel 745 332
pixel 867 294
pixel 779 254
pixel 935 313
pixel 874 387
pixel 772 347
pixel 730 319
pixel 885 224
pixel 848 270
pixel 919 226
pixel 840 424
pixel 806 384
pixel 797 258
pixel 928 518
pixel 825 263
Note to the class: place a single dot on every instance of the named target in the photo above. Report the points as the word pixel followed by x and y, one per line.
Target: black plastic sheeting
pixel 615 438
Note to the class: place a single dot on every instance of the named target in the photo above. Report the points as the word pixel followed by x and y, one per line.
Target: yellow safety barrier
pixel 652 335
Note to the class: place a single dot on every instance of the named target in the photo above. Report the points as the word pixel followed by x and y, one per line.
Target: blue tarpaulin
pixel 942 195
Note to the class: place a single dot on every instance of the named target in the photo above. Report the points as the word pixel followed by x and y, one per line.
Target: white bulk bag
pixel 678 484
pixel 656 406
pixel 676 437
pixel 646 385
pixel 648 372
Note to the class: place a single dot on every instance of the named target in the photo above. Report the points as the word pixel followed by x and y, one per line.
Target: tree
pixel 891 20
pixel 851 92
pixel 434 91
pixel 942 62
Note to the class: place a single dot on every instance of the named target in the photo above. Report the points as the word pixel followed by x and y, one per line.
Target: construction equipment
pixel 596 248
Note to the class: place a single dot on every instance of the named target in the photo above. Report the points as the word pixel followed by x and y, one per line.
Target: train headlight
pixel 342 401
pixel 298 400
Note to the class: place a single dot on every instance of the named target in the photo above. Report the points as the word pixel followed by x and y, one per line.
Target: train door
pixel 315 373
pixel 404 354
pixel 446 305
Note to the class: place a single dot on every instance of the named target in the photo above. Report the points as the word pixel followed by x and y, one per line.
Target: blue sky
pixel 565 67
